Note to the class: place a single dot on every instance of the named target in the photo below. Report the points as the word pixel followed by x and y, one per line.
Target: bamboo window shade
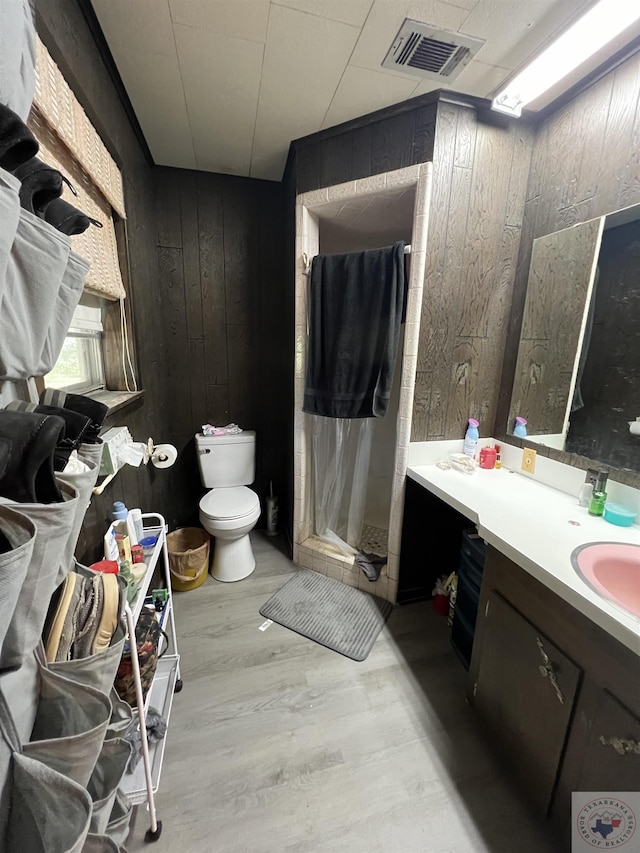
pixel 70 143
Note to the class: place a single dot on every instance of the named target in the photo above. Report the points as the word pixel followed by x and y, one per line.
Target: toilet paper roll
pixel 164 456
pixel 634 427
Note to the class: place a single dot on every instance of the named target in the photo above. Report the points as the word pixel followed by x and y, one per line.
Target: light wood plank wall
pixel 479 186
pixel 585 163
pixel 475 223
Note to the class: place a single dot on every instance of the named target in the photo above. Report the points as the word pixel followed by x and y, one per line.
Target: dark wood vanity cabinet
pixel 550 687
pixel 603 748
pixel 524 689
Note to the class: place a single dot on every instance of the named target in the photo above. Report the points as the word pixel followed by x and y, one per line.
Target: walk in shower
pixel 362 214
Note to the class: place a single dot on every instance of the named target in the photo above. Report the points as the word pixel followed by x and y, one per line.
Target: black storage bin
pixel 470 571
pixel 462 638
pixel 473 546
pixel 467 599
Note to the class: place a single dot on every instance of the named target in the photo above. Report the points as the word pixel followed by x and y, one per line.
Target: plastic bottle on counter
pixel 599 497
pixel 521 427
pixel 498 457
pixel 471 438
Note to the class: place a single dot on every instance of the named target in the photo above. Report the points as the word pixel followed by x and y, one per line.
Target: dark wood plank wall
pixel 358 152
pixel 586 163
pixel 479 182
pixel 220 245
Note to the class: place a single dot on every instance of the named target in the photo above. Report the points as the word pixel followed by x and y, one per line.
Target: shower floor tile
pixel 374 540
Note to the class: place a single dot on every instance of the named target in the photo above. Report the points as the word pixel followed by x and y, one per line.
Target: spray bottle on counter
pixel 471 438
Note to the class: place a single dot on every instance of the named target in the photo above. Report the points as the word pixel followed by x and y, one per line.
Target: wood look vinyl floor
pixel 278 745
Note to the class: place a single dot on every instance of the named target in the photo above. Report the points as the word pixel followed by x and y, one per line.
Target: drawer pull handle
pixel 621 745
pixel 546 670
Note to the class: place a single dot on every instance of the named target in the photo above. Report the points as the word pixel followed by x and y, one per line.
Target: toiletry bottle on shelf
pixel 119 511
pixel 471 438
pixel 521 428
pixel 599 497
pixel 586 489
pixel 498 457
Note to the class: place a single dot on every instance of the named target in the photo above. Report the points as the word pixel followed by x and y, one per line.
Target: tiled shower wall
pixel 309 551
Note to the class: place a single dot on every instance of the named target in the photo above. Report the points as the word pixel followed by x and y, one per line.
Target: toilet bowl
pixel 229 514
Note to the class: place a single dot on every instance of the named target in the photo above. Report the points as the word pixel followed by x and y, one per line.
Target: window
pixel 80 366
pixel 70 143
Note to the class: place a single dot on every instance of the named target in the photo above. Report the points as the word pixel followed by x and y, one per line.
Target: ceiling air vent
pixel 428 52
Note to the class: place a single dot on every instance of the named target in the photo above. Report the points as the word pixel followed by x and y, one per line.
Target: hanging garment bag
pixel 82 483
pixel 101 844
pixel 49 812
pixel 17 537
pixel 91 453
pixel 36 265
pixel 9 217
pixel 97 671
pixel 120 820
pixel 70 726
pixel 47 567
pixel 17 56
pixel 68 297
pixel 105 780
pixel 121 716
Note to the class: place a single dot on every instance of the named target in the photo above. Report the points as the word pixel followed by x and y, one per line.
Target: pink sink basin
pixel 612 569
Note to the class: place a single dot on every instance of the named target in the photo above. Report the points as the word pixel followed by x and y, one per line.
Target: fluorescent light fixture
pixel 603 22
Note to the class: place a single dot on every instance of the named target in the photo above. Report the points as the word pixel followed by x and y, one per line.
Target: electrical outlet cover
pixel 528 460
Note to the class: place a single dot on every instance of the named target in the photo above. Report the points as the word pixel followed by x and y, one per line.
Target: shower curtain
pixel 356 304
pixel 341 452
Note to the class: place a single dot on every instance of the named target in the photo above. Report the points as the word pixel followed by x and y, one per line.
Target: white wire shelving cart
pixel 142 785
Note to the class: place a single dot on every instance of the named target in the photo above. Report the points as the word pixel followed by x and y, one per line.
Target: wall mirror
pixel 577 379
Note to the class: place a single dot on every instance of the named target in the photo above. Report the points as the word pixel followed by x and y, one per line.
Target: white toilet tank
pixel 227 460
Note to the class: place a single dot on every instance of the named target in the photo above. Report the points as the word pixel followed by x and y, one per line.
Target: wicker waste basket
pixel 188 550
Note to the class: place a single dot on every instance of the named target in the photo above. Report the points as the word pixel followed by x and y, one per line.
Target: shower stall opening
pixel 349 475
pixel 353 460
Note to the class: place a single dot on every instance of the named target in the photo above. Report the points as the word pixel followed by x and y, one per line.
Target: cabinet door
pixel 611 760
pixel 525 689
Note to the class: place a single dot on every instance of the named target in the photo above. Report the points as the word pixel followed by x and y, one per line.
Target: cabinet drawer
pixel 470 571
pixel 462 638
pixel 473 546
pixel 467 599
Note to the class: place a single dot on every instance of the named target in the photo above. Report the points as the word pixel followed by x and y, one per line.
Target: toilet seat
pixel 229 504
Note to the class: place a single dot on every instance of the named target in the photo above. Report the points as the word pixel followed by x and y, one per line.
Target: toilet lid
pixel 233 502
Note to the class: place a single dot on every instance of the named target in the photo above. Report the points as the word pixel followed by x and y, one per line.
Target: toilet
pixel 229 511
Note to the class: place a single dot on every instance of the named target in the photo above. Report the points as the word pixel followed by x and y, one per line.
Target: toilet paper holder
pixel 160 455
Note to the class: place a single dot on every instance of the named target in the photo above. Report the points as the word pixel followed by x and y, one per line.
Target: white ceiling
pixel 225 85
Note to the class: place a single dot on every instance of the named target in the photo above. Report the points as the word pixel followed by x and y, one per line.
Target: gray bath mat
pixel 329 612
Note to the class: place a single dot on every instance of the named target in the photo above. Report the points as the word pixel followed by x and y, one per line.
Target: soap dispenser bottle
pixel 586 489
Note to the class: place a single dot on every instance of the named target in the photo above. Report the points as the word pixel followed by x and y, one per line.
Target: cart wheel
pixel 178 686
pixel 153 836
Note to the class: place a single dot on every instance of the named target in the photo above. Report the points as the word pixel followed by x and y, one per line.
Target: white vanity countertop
pixel 530 523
